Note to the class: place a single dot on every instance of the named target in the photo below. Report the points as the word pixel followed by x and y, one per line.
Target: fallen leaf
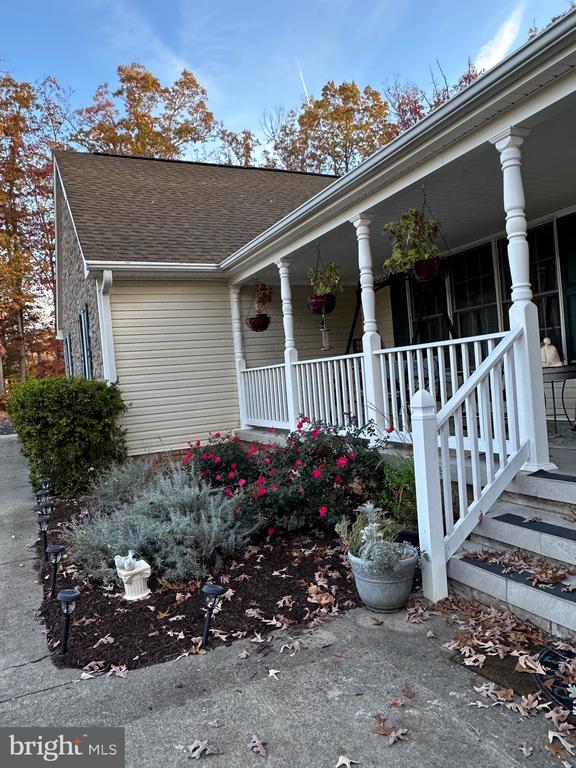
pixel 408 693
pixel 244 654
pixel 526 750
pixel 398 734
pixel 258 746
pixel 273 673
pixel 345 761
pixel 395 703
pixel 120 670
pixel 199 748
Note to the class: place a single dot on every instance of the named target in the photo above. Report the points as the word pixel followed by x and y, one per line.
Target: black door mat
pixel 554 476
pixel 537 525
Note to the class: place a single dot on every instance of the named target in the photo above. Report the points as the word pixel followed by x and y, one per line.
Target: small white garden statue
pixel 549 354
pixel 134 574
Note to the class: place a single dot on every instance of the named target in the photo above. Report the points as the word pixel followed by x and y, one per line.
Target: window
pixel 68 357
pixel 544 279
pixel 474 300
pixel 85 349
pixel 429 311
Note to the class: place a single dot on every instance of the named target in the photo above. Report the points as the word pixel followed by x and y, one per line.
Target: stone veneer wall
pixel 75 291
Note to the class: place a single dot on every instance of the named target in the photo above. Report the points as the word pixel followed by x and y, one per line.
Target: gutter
pixel 543 46
pixel 95 266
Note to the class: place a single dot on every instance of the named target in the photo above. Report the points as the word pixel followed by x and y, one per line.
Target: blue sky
pixel 248 54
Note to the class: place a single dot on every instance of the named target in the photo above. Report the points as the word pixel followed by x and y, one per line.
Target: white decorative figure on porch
pixel 134 574
pixel 523 312
pixel 290 351
pixel 240 362
pixel 371 341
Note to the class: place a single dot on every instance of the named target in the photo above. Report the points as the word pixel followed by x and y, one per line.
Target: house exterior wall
pixel 76 291
pixel 174 360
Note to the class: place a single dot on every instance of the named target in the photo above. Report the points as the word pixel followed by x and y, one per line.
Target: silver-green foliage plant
pixel 369 537
pixel 120 484
pixel 183 528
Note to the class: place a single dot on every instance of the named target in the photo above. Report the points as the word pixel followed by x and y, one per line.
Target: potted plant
pixel 383 569
pixel 413 238
pixel 262 296
pixel 326 281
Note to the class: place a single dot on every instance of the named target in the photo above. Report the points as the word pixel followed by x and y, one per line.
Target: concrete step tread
pixel 515 588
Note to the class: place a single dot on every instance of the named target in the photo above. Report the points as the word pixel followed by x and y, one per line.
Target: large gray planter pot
pixel 387 591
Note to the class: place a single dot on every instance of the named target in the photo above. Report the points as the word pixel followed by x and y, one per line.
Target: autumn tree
pixel 143 117
pixel 329 134
pixel 236 148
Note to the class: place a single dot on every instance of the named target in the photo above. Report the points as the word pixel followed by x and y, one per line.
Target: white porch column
pixel 290 352
pixel 240 362
pixel 370 339
pixel 523 312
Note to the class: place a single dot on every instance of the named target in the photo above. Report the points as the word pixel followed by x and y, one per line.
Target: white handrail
pixel 329 359
pixel 466 340
pixel 263 368
pixel 461 394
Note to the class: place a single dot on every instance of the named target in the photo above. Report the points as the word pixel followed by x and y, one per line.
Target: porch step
pixel 551 609
pixel 550 535
pixel 547 490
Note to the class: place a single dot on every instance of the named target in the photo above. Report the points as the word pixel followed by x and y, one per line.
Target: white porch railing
pixel 440 367
pixel 263 392
pixel 331 389
pixel 464 457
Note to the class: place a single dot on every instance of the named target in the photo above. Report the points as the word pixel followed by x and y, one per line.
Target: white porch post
pixel 370 339
pixel 290 351
pixel 429 496
pixel 523 312
pixel 240 362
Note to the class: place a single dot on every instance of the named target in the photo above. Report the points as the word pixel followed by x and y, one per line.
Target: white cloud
pixel 499 45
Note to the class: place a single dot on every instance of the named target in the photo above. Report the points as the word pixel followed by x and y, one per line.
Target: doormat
pixel 553 476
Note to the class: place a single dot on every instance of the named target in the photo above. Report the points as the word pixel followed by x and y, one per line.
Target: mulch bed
pixel 276 587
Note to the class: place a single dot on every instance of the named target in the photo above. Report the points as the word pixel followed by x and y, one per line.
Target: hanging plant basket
pixel 259 322
pixel 413 239
pixel 429 270
pixel 322 303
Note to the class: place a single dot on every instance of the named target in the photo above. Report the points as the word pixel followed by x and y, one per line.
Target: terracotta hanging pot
pixel 259 322
pixel 429 270
pixel 322 304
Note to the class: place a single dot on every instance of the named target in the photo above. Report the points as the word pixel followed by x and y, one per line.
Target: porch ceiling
pixel 465 196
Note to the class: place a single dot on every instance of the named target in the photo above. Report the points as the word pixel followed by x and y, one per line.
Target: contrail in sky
pixel 302 81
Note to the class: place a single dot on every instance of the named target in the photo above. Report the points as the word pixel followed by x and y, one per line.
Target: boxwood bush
pixel 68 429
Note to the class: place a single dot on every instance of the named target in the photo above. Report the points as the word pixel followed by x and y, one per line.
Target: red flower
pixel 352 456
pixel 273 487
pixel 270 532
pixel 303 420
pixel 315 433
pixel 323 510
pixel 342 461
pixel 261 480
pixel 231 475
pixel 197 443
pixel 267 460
pixel 298 463
pixel 317 473
pixel 187 457
pixel 228 492
pixel 241 482
pixel 210 455
pixel 272 473
pixel 261 491
pixel 389 429
pixel 218 477
pixel 204 456
pixel 232 466
pixel 337 480
pixel 217 460
pixel 216 435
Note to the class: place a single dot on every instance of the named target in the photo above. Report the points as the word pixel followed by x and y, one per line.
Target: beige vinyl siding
pixel 384 316
pixel 175 361
pixel 267 348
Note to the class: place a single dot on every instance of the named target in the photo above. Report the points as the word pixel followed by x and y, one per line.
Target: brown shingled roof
pixel 141 209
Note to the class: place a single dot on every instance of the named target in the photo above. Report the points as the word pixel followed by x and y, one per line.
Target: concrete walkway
pixel 320 707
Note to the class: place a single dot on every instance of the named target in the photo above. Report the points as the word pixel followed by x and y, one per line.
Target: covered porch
pixel 452 368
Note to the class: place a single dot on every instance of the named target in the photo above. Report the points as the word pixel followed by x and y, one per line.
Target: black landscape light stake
pixel 67 599
pixel 41 496
pixel 212 594
pixel 45 507
pixel 45 484
pixel 55 552
pixel 43 521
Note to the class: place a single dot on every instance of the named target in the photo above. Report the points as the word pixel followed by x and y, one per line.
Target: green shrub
pixel 68 429
pixel 398 491
pixel 183 528
pixel 120 483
